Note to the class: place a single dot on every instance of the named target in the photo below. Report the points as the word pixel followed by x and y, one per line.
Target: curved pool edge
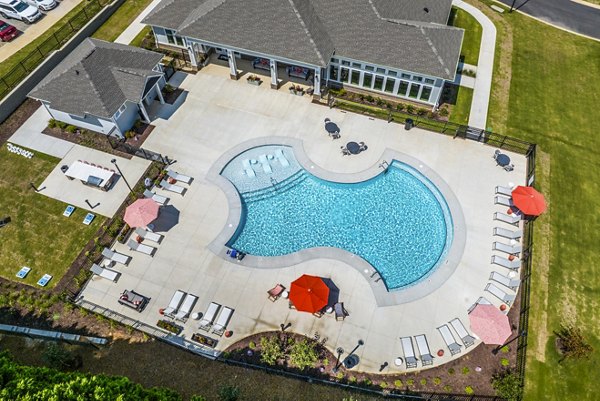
pixel 382 296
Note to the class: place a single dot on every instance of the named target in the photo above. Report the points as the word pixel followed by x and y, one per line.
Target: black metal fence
pixel 58 38
pixel 121 145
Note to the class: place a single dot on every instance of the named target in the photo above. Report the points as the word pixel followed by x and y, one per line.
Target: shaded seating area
pixel 133 300
pixel 276 292
pixel 340 311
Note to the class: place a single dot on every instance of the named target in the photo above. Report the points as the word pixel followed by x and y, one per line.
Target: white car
pixel 18 10
pixel 43 5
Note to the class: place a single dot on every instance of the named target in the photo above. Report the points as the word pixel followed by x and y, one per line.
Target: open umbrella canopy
pixel 528 200
pixel 490 325
pixel 309 293
pixel 141 212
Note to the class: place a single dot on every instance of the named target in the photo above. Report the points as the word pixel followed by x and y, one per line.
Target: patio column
pixel 274 82
pixel 159 93
pixel 192 54
pixel 232 67
pixel 144 112
pixel 317 84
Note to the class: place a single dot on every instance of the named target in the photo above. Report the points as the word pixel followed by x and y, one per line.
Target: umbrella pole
pixel 498 348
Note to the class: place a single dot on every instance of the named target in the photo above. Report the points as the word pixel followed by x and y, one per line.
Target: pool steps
pixel 275 188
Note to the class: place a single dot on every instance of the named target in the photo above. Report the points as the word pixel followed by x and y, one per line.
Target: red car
pixel 7 32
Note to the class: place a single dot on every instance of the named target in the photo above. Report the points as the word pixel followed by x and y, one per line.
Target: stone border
pixel 383 297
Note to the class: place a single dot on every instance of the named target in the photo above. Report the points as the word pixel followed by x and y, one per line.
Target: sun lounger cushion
pixel 209 316
pixel 426 357
pixel 116 256
pixel 172 187
pixel 186 307
pixel 222 321
pixel 409 352
pixel 105 273
pixel 464 335
pixel 176 300
pixel 148 250
pixel 179 177
pixel 161 200
pixel 145 234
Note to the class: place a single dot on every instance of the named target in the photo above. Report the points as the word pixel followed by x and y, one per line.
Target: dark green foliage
pixel 58 357
pixel 571 343
pixel 303 354
pixel 229 393
pixel 507 385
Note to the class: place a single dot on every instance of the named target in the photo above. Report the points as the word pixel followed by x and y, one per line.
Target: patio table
pixel 353 147
pixel 503 160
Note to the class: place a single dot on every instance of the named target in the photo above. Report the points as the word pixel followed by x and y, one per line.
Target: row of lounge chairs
pixel 145 235
pixel 180 306
pixel 208 319
pixel 172 187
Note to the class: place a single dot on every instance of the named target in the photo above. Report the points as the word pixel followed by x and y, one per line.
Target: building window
pixel 174 39
pixel 357 65
pixel 367 80
pixel 418 79
pixel 392 73
pixel 381 70
pixel 120 111
pixel 369 68
pixel 344 62
pixel 402 88
pixel 355 77
pixel 378 83
pixel 425 93
pixel 344 75
pixel 333 72
pixel 389 85
pixel 407 76
pixel 335 60
pixel 414 91
pixel 429 81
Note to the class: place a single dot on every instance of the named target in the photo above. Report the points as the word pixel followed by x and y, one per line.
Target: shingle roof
pixel 393 33
pixel 97 77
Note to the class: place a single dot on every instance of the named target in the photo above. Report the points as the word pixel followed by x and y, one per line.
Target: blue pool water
pixel 398 222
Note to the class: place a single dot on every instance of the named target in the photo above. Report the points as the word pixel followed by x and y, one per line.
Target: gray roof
pixel 392 33
pixel 97 77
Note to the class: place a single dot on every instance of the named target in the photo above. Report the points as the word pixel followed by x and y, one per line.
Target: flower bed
pixel 169 326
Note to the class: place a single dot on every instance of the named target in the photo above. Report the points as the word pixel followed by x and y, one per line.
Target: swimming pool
pixel 397 221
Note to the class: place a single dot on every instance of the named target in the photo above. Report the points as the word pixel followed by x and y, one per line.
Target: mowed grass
pixel 472 39
pixel 462 108
pixel 38 236
pixel 120 20
pixel 554 78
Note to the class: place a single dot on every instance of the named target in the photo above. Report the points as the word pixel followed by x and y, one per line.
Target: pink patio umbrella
pixel 490 324
pixel 141 212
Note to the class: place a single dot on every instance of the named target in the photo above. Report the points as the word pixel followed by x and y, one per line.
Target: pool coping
pixel 383 297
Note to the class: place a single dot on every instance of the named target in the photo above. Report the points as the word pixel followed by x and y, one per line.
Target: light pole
pixel 498 348
pixel 114 161
pixel 339 351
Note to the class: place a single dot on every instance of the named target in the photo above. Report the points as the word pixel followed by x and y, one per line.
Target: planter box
pixel 298 93
pixel 206 341
pixel 169 326
pixel 255 83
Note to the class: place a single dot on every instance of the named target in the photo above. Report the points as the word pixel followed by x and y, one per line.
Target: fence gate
pixel 120 145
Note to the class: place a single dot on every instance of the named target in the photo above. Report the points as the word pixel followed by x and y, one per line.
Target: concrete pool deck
pixel 218 114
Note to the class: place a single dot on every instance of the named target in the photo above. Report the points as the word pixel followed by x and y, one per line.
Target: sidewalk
pixel 30 136
pixel 136 26
pixel 37 29
pixel 485 66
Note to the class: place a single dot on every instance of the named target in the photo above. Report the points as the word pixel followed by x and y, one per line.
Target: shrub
pixel 352 379
pixel 400 106
pixel 431 114
pixel 451 371
pixel 571 343
pixel 325 362
pixel 504 362
pixel 169 88
pixel 423 382
pixel 398 383
pixel 465 370
pixel 303 354
pixel 469 390
pixel 197 398
pixel 380 101
pixel 421 111
pixel 339 376
pixel 437 381
pixel 369 98
pixel 129 134
pixel 505 349
pixel 367 382
pixel 410 109
pixel 447 388
pixel 252 345
pixel 61 124
pixel 52 123
pixel 507 385
pixel 271 350
pixel 410 382
pixel 229 393
pixel 383 385
pixel 444 112
pixel 58 357
pixel 71 129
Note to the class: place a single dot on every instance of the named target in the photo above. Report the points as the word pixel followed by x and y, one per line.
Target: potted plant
pixel 297 90
pixel 169 326
pixel 253 80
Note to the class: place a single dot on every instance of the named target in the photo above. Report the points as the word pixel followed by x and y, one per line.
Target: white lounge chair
pixel 116 256
pixel 426 357
pixel 510 249
pixel 480 301
pixel 174 303
pixel 409 352
pixel 464 335
pixel 222 321
pixel 502 200
pixel 209 316
pixel 451 343
pixel 172 187
pixel 281 157
pixel 186 308
pixel 265 164
pixel 509 264
pixel 143 248
pixel 512 283
pixel 145 234
pixel 179 177
pixel 105 273
pixel 498 293
pixel 248 169
pixel 161 200
pixel 506 191
pixel 503 232
pixel 510 219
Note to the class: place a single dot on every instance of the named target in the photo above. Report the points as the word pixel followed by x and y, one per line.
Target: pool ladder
pixel 274 182
pixel 384 165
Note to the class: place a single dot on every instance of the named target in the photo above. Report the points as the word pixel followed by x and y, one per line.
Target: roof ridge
pixel 435 51
pixel 194 16
pixel 307 31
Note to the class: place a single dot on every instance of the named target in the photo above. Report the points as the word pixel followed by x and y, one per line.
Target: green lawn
pixel 38 236
pixel 553 74
pixel 462 108
pixel 472 39
pixel 121 19
pixel 137 41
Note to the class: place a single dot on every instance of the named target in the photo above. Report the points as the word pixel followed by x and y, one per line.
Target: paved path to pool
pixel 217 114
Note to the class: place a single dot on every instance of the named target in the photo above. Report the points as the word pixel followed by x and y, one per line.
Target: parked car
pixel 18 10
pixel 42 5
pixel 7 31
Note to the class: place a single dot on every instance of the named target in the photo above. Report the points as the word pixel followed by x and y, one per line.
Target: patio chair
pixel 480 301
pixel 509 167
pixel 116 256
pixel 275 292
pixel 186 307
pixel 512 283
pixel 179 177
pixel 506 191
pixel 248 170
pixel 222 321
pixel 340 311
pixel 161 200
pixel 143 248
pixel 509 264
pixel 448 337
pixel 503 232
pixel 174 303
pixel 502 200
pixel 498 293
pixel 145 234
pixel 265 164
pixel 510 219
pixel 172 187
pixel 409 352
pixel 464 335
pixel 105 273
pixel 209 316
pixel 510 249
pixel 426 357
pixel 281 157
pixel 496 153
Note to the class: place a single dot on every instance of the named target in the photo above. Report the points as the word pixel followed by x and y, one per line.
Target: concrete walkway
pixel 136 26
pixel 485 66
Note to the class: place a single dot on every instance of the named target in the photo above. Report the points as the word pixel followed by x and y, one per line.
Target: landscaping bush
pixel 410 382
pixel 129 134
pixel 252 345
pixel 271 350
pixel 400 106
pixel 437 381
pixel 383 385
pixel 469 390
pixel 229 393
pixel 507 385
pixel 465 370
pixel 423 382
pixel 421 111
pixel 58 357
pixel 571 343
pixel 443 112
pixel 71 129
pixel 504 362
pixel 398 383
pixel 52 123
pixel 410 109
pixel 303 354
pixel 451 371
pixel 61 124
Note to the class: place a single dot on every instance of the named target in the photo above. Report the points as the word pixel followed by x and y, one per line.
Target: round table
pixel 503 160
pixel 195 316
pixel 329 309
pixel 353 147
pixel 285 294
pixel 398 362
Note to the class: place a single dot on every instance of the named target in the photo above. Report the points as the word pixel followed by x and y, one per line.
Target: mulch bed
pixel 171 97
pixel 17 118
pixel 89 139
pixel 142 132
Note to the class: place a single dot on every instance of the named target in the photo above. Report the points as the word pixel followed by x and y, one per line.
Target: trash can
pixel 409 123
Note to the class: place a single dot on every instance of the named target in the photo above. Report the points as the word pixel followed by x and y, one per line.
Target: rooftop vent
pixel 426 9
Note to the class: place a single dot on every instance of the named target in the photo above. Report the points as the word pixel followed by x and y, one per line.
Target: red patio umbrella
pixel 528 200
pixel 141 212
pixel 309 293
pixel 490 324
